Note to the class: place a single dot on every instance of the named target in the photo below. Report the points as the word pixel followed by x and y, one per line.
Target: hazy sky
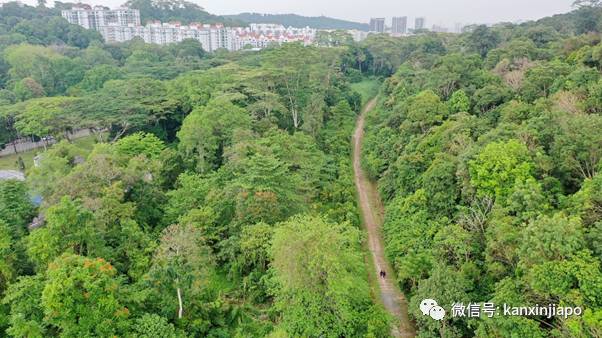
pixel 436 11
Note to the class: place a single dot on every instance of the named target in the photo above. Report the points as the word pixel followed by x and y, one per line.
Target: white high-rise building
pixel 211 37
pixel 399 25
pixel 97 17
pixel 123 24
pixel 419 23
pixel 377 25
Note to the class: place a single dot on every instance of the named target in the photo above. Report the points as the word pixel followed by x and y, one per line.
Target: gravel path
pixel 392 299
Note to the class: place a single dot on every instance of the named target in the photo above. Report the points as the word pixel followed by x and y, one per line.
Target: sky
pixel 440 12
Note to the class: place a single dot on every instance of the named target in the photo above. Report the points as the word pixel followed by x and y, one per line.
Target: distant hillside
pixel 294 20
pixel 176 10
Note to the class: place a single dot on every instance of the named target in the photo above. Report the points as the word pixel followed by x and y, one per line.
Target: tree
pixel 586 3
pixel 137 144
pixel 578 147
pixel 425 110
pixel 125 105
pixel 588 16
pixel 34 62
pixel 27 317
pixel 188 49
pixel 440 185
pixel 319 272
pixel 208 130
pixel 499 168
pixel 69 228
pixel 28 88
pixel 46 116
pixel 8 256
pixel 84 297
pixel 16 208
pixel 539 80
pixel 459 102
pixel 189 194
pixel 252 260
pixel 447 286
pixel 489 97
pixel 483 39
pixel 182 265
pixel 173 10
pixel 53 165
pixel 152 326
pixel 334 38
pixel 266 191
pixel 540 239
pixel 54 72
pixel 97 76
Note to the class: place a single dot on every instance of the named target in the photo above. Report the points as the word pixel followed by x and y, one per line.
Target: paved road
pixel 392 299
pixel 11 175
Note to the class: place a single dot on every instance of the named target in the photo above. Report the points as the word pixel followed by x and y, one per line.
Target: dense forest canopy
pixel 487 150
pixel 218 198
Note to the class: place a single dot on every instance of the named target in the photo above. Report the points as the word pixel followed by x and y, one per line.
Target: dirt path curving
pixel 372 211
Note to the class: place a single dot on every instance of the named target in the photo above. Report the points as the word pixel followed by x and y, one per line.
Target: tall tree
pixel 208 130
pixel 320 276
pixel 182 265
pixel 84 297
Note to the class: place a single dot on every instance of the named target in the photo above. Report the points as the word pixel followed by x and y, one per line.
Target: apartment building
pixel 99 16
pixel 123 24
pixel 377 25
pixel 399 25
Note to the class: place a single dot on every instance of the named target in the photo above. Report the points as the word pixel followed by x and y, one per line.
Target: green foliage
pixel 84 297
pixel 497 202
pixel 483 39
pixel 28 88
pixel 209 129
pixel 172 10
pixel 425 110
pixel 8 261
pixel 151 325
pixel 499 168
pixel 54 72
pixel 41 25
pixel 318 268
pixel 140 144
pixel 96 77
pixel 293 20
pixel 16 208
pixel 178 279
pixel 68 229
pixel 186 222
pixel 540 80
pixel 26 313
pixel 459 102
pixel 45 116
pixel 578 147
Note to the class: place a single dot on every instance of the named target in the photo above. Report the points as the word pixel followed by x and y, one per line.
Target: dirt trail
pixel 372 211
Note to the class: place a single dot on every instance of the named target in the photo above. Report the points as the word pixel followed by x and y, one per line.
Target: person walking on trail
pixel 383 274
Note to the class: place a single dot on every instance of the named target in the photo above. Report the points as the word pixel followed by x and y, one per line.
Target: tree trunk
pixel 180 306
pixel 124 128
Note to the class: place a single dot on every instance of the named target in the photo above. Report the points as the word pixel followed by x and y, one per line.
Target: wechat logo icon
pixel 431 308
